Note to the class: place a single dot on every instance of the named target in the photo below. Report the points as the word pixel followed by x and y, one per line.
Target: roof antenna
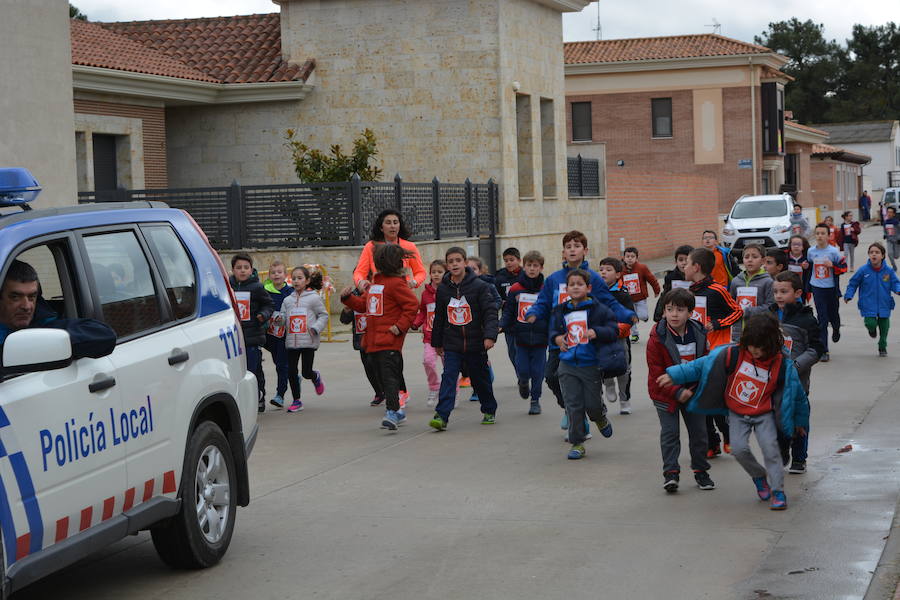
pixel 716 26
pixel 599 28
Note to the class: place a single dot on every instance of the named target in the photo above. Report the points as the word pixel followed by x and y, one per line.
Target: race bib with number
pixel 821 270
pixel 795 268
pixel 429 316
pixel 848 229
pixel 276 325
pixel 748 385
pixel 297 321
pixel 243 302
pixel 788 344
pixel 375 304
pixel 576 328
pixel 632 283
pixel 687 352
pixel 699 313
pixel 796 229
pixel 681 284
pixel 526 301
pixel 562 294
pixel 360 321
pixel 459 312
pixel 746 296
pixel 889 229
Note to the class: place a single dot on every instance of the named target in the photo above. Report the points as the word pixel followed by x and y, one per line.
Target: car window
pixel 759 209
pixel 176 269
pixel 889 196
pixel 123 282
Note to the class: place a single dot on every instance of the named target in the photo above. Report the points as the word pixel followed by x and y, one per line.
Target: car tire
pixel 199 535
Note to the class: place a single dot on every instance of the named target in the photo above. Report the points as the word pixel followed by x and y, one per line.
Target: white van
pixel 764 220
pixel 891 197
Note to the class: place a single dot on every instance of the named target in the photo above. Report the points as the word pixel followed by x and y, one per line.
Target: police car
pixel 155 433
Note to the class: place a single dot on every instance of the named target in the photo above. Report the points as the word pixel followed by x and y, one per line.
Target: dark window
pixel 105 162
pixel 581 122
pixel 124 282
pixel 772 100
pixel 661 109
pixel 791 172
pixel 176 269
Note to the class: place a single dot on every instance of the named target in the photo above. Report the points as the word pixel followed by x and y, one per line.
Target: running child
pixel 760 391
pixel 477 266
pixel 825 261
pixel 892 235
pixel 798 246
pixel 577 327
pixel 306 317
pixel 804 346
pixel 530 338
pixel 848 237
pixel 465 329
pixel 674 275
pixel 875 281
pixel 390 308
pixel 635 278
pixel 776 262
pixel 610 270
pixel 504 279
pixel 717 311
pixel 575 250
pixel 425 320
pixel 358 323
pixel 752 287
pixel 255 308
pixel 675 340
pixel 278 290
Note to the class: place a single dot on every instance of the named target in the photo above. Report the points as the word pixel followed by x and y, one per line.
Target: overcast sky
pixel 638 18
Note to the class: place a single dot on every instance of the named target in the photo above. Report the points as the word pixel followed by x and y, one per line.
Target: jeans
pixel 580 386
pixel 388 365
pixel 767 436
pixel 254 365
pixel 296 356
pixel 479 374
pixel 276 348
pixel 670 438
pixel 551 376
pixel 530 364
pixel 826 301
pixel 511 347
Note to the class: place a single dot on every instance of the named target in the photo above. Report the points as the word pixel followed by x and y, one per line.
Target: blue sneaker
pixel 576 452
pixel 277 401
pixel 401 417
pixel 605 427
pixel 779 500
pixel 390 421
pixel 762 488
pixel 564 424
pixel 473 397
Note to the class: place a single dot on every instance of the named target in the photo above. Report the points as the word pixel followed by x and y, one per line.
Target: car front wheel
pixel 199 535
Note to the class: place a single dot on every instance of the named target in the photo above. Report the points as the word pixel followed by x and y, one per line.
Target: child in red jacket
pixel 677 339
pixel 390 308
pixel 635 278
pixel 425 319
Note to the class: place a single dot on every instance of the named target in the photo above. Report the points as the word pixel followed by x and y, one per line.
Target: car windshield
pixel 889 196
pixel 756 209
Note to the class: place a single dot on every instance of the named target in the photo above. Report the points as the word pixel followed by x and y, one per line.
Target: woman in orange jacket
pixel 389 228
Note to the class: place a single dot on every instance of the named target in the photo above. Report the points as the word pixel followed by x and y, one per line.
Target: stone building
pixel 453 89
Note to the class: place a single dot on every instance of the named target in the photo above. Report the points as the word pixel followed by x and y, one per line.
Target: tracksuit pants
pixel 767 437
pixel 670 438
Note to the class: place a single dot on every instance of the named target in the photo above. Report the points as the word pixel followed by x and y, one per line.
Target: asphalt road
pixel 342 509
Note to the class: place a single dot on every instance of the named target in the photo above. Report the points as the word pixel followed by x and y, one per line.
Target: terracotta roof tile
pixel 94 46
pixel 796 125
pixel 658 48
pixel 238 49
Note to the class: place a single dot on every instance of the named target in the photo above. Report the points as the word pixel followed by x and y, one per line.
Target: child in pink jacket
pixel 425 319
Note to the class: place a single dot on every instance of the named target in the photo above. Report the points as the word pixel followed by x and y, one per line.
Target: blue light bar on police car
pixel 18 187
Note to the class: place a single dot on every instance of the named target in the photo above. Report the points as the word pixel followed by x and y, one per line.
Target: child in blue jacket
pixel 576 327
pixel 875 281
pixel 759 388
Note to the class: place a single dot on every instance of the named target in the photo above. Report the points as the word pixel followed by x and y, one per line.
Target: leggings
pixel 296 356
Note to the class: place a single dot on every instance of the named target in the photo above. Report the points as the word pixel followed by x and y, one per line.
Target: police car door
pixel 150 358
pixel 61 471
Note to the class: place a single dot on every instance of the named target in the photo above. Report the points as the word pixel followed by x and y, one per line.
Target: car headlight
pixel 728 231
pixel 780 229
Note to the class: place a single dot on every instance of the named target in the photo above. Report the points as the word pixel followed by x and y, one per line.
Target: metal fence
pixel 586 177
pixel 325 214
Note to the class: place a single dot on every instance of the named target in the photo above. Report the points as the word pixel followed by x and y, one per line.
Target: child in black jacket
pixel 255 307
pixel 465 328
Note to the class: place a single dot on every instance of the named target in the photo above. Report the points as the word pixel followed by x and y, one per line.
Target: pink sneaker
pixel 319 384
pixel 296 406
pixel 404 398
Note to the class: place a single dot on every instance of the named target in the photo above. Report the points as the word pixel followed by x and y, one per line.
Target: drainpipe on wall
pixel 753 124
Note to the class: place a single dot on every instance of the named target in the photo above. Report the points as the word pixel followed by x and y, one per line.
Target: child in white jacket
pixel 305 316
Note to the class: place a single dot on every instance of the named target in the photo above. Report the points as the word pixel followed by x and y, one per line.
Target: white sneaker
pixel 432 398
pixel 625 407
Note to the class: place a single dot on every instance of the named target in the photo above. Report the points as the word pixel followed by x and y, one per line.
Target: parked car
pixel 891 197
pixel 758 219
pixel 155 434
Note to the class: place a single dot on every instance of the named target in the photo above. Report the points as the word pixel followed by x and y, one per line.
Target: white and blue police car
pixel 125 401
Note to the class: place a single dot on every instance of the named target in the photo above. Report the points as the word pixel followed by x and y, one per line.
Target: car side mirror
pixel 32 350
pixel 725 220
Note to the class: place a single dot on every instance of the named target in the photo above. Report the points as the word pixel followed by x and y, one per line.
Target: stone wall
pixel 36 114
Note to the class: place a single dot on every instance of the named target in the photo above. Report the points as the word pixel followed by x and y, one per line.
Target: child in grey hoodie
pixel 305 317
pixel 752 287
